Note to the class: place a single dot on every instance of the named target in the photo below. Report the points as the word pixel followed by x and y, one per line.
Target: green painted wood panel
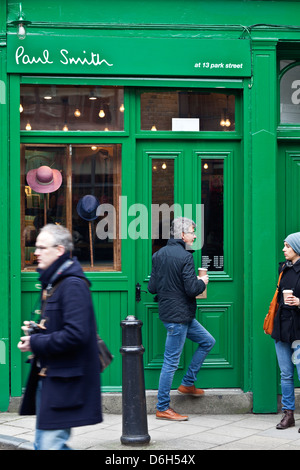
pixel 4 241
pixel 157 12
pixel 264 223
pixel 110 309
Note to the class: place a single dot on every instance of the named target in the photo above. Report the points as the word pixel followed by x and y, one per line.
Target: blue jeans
pixel 176 336
pixel 49 439
pixel 288 357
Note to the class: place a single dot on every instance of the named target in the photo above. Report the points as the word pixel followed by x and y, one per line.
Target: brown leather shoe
pixel 287 420
pixel 192 390
pixel 171 415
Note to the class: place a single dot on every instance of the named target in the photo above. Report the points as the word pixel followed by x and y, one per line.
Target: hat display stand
pixel 91 244
pixel 86 209
pixel 44 180
pixel 45 207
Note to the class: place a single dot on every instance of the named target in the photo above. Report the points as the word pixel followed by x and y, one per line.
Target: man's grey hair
pixel 179 225
pixel 60 234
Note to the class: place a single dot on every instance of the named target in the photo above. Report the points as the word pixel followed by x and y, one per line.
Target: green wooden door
pixel 202 181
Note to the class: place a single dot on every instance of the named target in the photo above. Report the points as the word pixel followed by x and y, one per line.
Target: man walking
pixel 63 388
pixel 174 280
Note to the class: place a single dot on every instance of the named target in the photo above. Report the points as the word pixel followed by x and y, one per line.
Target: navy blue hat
pixel 87 207
pixel 294 241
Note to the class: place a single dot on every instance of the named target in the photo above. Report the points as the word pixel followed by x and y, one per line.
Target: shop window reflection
pixel 290 94
pixel 160 108
pixel 212 190
pixel 162 197
pixel 72 108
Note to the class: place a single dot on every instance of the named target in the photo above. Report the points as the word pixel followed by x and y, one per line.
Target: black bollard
pixel 135 425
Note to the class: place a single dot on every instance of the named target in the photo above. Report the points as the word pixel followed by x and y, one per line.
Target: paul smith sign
pixel 129 56
pixel 66 59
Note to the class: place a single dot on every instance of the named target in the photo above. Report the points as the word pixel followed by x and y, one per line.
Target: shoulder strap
pixel 57 273
pixel 51 289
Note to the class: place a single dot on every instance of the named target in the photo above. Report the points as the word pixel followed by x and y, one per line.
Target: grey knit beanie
pixel 294 241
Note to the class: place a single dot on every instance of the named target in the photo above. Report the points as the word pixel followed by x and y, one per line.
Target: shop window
pixel 182 110
pixel 72 108
pixel 85 195
pixel 212 189
pixel 290 93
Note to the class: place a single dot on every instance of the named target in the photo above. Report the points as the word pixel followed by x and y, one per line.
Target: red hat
pixel 44 179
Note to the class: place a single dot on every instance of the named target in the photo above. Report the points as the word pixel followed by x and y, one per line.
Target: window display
pixel 67 184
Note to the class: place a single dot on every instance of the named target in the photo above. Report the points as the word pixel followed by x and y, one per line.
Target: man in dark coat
pixel 174 280
pixel 63 388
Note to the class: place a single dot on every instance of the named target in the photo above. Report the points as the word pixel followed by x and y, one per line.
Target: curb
pixel 215 401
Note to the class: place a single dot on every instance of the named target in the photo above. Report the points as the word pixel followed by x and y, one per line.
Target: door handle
pixel 138 291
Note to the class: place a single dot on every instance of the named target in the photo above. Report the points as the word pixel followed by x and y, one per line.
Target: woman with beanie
pixel 286 329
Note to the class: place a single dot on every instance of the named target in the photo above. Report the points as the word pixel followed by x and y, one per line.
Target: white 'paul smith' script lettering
pixel 93 59
pixel 25 59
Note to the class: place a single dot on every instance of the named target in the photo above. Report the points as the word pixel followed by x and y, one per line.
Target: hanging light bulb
pixel 65 128
pixel 164 166
pixel 21 23
pixel 21 33
pixel 92 96
pixel 227 123
pixel 21 108
pixel 153 128
pixel 101 113
pixel 222 122
pixel 122 109
pixel 77 113
pixel 28 126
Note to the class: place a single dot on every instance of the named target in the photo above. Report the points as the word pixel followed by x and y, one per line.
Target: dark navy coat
pixel 67 349
pixel 174 280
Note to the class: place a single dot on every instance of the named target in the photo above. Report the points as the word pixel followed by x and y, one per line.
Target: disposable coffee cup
pixel 202 272
pixel 286 292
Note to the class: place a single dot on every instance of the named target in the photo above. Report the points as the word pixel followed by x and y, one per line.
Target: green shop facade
pixel 157 109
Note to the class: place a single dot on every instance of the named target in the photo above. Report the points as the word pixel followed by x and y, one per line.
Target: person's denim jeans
pixel 287 359
pixel 176 336
pixel 49 439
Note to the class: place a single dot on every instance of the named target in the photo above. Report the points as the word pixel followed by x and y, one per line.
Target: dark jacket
pixel 287 321
pixel 174 280
pixel 68 350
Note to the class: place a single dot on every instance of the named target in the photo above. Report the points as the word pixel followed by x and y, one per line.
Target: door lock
pixel 138 291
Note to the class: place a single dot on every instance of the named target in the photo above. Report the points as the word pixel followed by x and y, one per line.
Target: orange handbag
pixel 269 320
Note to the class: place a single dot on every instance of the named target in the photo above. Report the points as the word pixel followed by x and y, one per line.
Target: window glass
pixel 162 201
pixel 72 108
pixel 187 111
pixel 290 96
pixel 86 201
pixel 212 189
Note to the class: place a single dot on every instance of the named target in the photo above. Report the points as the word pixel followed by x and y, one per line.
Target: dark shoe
pixel 192 390
pixel 287 420
pixel 171 415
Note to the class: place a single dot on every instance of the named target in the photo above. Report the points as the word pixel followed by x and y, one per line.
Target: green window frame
pixel 113 140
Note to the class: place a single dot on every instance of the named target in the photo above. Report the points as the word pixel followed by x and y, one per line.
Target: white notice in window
pixel 186 124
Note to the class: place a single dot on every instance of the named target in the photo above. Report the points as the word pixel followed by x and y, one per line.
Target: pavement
pixel 246 431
